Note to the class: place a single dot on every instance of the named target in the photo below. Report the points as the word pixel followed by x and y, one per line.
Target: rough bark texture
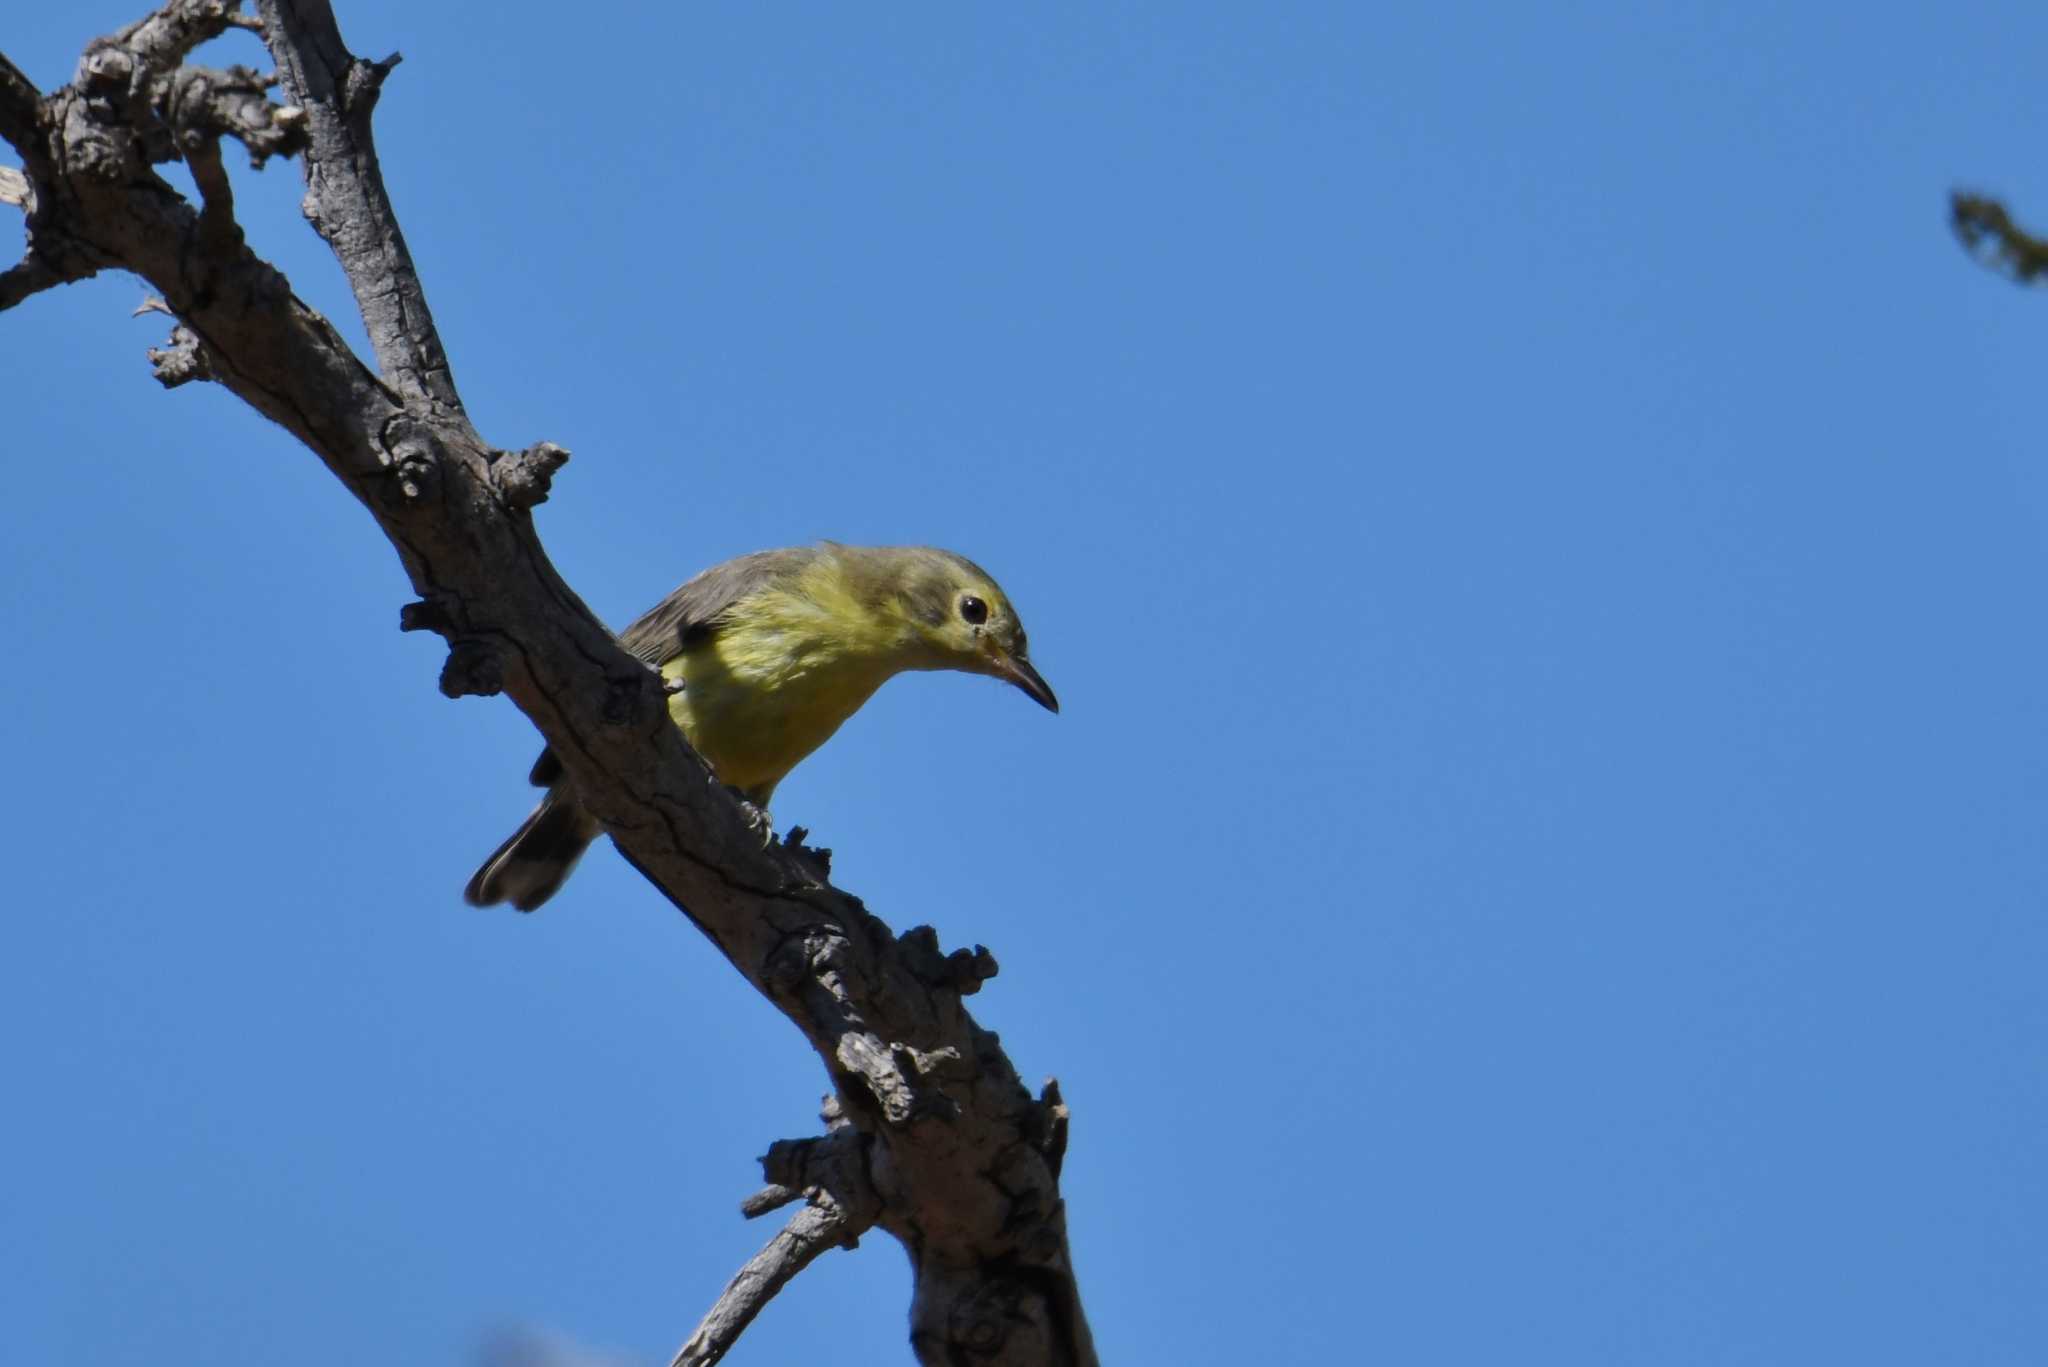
pixel 931 1135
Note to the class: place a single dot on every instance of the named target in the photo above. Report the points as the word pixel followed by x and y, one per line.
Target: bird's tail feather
pixel 529 867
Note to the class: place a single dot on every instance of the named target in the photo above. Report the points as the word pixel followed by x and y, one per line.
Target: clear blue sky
pixel 1541 538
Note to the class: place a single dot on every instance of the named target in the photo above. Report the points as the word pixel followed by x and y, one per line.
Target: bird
pixel 764 657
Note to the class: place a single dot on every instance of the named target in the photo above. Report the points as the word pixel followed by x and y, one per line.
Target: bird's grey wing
pixel 696 607
pixel 691 610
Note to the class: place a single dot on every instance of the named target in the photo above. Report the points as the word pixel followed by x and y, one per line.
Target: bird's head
pixel 965 621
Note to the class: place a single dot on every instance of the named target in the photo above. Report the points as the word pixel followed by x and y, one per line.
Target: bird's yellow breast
pixel 784 670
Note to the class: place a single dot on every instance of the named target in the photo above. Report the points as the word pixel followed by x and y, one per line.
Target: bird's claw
pixel 758 819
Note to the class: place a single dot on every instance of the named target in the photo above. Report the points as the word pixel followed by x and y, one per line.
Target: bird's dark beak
pixel 1018 671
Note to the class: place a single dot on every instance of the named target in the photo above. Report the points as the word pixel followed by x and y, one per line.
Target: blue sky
pixel 1539 535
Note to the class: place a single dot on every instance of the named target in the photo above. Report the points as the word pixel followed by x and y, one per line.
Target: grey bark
pixel 933 1138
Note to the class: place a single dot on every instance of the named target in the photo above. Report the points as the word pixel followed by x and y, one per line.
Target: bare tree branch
pixel 831 1173
pixel 345 199
pixel 19 101
pixel 1988 233
pixel 814 1229
pixel 932 1136
pixel 204 105
pixel 20 106
pixel 26 277
pixel 166 36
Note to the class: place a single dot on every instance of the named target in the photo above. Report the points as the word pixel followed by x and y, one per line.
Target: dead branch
pixel 831 1175
pixel 934 1138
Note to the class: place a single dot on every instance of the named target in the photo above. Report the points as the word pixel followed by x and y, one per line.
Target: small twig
pixel 767 1199
pixel 830 1171
pixel 817 1227
pixel 1988 233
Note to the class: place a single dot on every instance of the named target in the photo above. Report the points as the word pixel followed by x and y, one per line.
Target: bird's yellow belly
pixel 755 720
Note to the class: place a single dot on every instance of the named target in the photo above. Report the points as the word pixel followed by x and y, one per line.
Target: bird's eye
pixel 974 610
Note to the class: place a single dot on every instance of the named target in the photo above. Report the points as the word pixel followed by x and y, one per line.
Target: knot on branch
pixel 428 614
pixel 833 1164
pixel 136 91
pixel 945 1063
pixel 107 68
pixel 475 669
pixel 202 104
pixel 522 477
pixel 822 980
pixel 816 858
pixel 903 1081
pixel 964 970
pixel 181 360
pixel 412 456
pixel 363 84
pixel 475 666
pixel 113 90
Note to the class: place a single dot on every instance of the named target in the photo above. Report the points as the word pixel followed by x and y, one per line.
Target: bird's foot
pixel 757 816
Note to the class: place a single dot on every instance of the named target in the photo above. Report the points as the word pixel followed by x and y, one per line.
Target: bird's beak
pixel 1018 671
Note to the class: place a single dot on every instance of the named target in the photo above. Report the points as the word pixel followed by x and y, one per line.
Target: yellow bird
pixel 767 655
